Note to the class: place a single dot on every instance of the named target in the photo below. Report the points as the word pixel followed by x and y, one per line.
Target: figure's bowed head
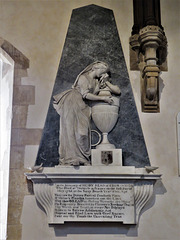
pixel 99 71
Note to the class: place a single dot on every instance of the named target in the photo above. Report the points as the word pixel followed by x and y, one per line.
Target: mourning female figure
pixel 75 113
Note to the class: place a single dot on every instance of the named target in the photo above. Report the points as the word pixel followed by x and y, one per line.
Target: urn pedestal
pixel 105 117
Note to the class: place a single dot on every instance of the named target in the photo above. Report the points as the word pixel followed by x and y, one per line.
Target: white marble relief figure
pixel 75 113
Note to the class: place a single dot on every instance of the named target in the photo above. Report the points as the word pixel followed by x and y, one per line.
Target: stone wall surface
pixel 23 96
pixel 38 29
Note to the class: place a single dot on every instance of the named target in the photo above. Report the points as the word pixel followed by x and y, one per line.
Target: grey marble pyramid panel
pixel 92 35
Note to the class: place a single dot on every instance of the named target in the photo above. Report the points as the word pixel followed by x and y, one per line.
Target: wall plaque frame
pixel 92 194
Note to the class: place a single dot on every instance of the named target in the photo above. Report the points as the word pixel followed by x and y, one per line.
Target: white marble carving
pixel 44 195
pixel 142 193
pixel 92 193
pixel 74 135
pixel 106 191
pixel 105 117
pixel 95 202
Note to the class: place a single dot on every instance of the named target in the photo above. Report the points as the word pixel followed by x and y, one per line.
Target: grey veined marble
pixel 92 35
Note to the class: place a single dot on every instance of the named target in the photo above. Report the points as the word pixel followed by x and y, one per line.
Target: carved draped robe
pixel 75 114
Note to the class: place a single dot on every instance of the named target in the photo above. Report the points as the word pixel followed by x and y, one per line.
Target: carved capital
pixel 134 41
pixel 151 36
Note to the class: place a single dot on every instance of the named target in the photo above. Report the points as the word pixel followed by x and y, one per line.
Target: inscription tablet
pixel 93 202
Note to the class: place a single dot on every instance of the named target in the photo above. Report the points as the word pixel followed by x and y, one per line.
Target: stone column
pixel 148 51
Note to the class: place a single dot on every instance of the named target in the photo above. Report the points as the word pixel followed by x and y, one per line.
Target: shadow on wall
pixel 107 227
pixel 161 86
pixel 95 228
pixel 159 189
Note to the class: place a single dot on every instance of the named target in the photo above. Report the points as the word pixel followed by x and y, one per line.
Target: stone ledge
pixel 55 177
pixel 98 172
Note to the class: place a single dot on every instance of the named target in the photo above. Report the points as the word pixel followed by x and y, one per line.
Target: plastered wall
pixel 38 30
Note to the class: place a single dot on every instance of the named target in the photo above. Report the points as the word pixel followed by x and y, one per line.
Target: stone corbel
pixel 143 191
pixel 150 88
pixel 150 49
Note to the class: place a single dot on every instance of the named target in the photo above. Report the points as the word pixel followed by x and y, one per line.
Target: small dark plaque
pixel 106 157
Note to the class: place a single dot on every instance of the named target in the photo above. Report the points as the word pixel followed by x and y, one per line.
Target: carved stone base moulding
pixel 93 193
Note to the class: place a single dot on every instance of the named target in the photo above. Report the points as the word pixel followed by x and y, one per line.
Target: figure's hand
pixel 102 82
pixel 108 100
pixel 104 77
pixel 102 85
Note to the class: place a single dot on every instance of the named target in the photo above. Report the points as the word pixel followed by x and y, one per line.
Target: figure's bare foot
pixel 75 163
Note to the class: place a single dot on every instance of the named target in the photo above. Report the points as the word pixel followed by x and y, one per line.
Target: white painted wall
pixel 6 93
pixel 38 29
